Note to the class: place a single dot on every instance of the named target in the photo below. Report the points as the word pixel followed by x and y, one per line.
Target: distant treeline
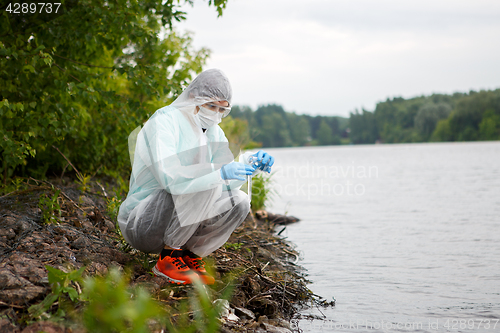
pixel 271 126
pixel 458 117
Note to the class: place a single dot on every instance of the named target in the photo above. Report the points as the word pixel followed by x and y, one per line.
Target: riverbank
pixel 59 225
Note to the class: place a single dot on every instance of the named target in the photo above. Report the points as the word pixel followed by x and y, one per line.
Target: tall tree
pixel 324 134
pixel 363 127
pixel 299 129
pixel 427 117
pixel 83 77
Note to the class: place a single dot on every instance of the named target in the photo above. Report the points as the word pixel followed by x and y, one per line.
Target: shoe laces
pixel 178 263
pixel 198 262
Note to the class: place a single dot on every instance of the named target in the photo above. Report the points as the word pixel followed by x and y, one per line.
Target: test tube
pixel 249 184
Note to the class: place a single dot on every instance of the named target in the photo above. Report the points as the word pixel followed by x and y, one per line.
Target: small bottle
pixel 253 161
pixel 258 165
pixel 249 188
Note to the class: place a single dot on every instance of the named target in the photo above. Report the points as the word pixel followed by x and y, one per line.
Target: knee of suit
pixel 243 207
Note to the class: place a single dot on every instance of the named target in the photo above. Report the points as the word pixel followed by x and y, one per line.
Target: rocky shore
pixel 269 287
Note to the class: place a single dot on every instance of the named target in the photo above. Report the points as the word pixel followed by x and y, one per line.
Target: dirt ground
pixel 269 290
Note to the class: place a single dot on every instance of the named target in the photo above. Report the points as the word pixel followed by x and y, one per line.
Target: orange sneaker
pixel 196 264
pixel 173 268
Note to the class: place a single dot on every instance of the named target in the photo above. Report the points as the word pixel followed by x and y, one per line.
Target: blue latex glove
pixel 236 170
pixel 265 160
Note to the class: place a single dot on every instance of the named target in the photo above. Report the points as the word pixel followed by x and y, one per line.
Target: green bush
pixel 83 79
pixel 262 191
pixel 110 304
pixel 50 207
pixel 62 287
pixel 113 306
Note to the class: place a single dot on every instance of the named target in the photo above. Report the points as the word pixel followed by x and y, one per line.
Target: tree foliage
pixel 363 127
pixel 427 117
pixel 83 78
pixel 271 126
pixel 457 117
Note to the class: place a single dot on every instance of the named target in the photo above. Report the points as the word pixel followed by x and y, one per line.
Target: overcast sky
pixel 330 57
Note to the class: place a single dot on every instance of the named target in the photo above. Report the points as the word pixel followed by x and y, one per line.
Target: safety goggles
pixel 217 108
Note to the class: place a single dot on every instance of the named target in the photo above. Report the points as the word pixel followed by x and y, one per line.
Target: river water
pixel 405 237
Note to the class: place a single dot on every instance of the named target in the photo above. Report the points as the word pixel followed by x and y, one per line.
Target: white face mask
pixel 208 118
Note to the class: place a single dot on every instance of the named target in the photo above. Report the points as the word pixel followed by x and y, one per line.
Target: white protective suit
pixel 177 196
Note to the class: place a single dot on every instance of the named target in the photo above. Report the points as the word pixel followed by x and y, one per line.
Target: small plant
pixel 51 209
pixel 17 184
pixel 113 206
pixel 110 304
pixel 262 192
pixel 120 187
pixel 233 246
pixel 112 209
pixel 147 261
pixel 83 181
pixel 206 312
pixel 114 306
pixel 60 283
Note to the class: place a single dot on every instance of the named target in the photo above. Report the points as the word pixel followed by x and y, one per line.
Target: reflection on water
pixel 405 237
